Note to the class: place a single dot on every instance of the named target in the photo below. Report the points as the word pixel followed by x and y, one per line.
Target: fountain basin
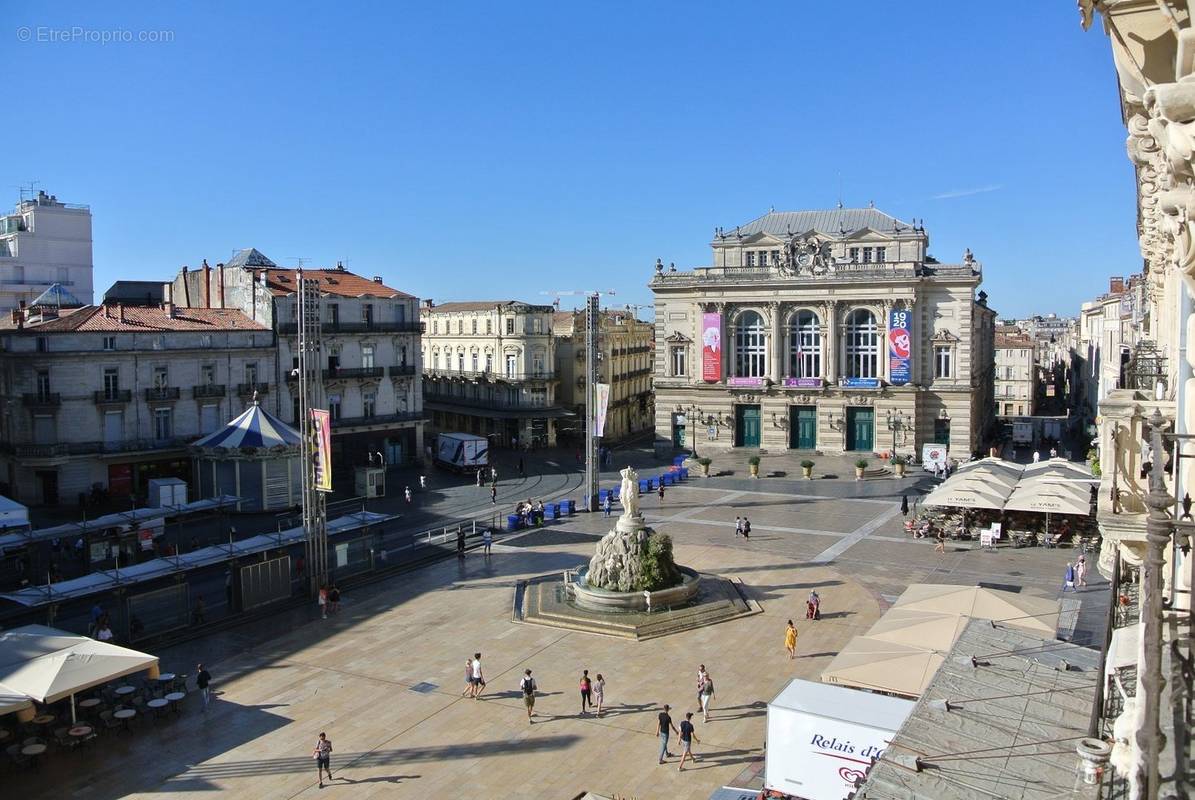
pixel 595 599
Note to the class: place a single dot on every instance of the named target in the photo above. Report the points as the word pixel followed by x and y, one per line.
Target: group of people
pixel 1075 577
pixel 530 513
pixel 687 732
pixel 742 527
pixel 101 624
pixel 329 599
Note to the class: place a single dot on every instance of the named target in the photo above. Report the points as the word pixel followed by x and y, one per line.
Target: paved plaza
pixel 384 677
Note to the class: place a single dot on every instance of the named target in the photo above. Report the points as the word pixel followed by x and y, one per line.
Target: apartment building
pixel 44 241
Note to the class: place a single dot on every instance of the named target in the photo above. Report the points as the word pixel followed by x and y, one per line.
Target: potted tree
pixel 753 463
pixel 860 465
pixel 807 469
pixel 898 465
pixel 705 466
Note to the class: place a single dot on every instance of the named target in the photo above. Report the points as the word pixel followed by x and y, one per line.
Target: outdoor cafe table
pixel 125 715
pixel 157 704
pixel 175 697
pixel 44 719
pixel 79 731
pixel 166 677
pixel 4 734
pixel 123 690
pixel 90 702
pixel 33 749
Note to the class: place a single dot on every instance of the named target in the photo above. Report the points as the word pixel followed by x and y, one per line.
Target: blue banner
pixel 900 346
pixel 860 383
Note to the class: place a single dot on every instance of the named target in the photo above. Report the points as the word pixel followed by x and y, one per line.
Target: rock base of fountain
pixel 595 599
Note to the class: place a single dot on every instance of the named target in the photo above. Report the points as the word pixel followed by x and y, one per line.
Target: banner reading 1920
pixel 321 432
pixel 900 346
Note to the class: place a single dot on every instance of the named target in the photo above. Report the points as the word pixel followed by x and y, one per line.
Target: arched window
pixel 862 345
pixel 750 346
pixel 804 345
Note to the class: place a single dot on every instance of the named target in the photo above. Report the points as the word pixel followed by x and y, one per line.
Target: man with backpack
pixel 746 528
pixel 527 687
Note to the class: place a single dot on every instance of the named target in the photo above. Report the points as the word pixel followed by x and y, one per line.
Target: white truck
pixel 1023 433
pixel 462 452
pixel 822 738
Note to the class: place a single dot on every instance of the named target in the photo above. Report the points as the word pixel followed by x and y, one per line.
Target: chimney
pixel 168 307
pixel 220 270
pixel 377 278
pixel 1116 285
pixel 207 285
pixel 427 303
pixel 340 266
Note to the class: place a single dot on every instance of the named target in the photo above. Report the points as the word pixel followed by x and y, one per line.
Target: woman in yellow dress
pixel 790 640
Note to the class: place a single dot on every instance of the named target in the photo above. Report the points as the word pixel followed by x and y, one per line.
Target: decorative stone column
pixel 885 312
pixel 830 341
pixel 775 348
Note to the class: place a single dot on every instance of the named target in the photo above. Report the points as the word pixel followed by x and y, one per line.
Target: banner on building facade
pixel 602 393
pixel 711 347
pixel 900 346
pixel 321 448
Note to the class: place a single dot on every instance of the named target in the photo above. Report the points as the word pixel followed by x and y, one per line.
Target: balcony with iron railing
pixel 246 389
pixel 340 423
pixel 489 375
pixel 401 370
pixel 208 390
pixel 43 400
pixel 112 396
pixel 334 328
pixel 502 403
pixel 68 449
pixel 351 373
pixel 158 394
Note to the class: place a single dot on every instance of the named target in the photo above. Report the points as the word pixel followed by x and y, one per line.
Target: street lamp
pixel 896 422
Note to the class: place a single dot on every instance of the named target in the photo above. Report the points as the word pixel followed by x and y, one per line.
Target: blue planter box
pixel 615 492
pixel 644 485
pixel 669 479
pixel 569 507
pixel 549 511
pixel 683 474
pixel 512 522
pixel 602 494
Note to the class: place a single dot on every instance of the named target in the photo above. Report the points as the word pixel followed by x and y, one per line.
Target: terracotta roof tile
pixel 142 318
pixel 343 283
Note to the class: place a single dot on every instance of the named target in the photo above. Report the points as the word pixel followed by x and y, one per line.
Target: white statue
pixel 628 493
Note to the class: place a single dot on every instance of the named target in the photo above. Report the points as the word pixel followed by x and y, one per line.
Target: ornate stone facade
pixel 790 341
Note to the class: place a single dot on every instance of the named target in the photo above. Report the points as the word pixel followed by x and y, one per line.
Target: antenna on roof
pixel 300 261
pixel 839 189
pixel 772 209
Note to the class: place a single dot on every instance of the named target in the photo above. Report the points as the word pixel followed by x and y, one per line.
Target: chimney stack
pixel 377 278
pixel 1116 285
pixel 207 285
pixel 427 303
pixel 220 270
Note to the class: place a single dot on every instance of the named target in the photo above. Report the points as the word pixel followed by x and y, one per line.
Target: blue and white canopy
pixel 255 428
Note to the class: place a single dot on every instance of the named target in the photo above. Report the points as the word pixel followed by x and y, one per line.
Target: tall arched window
pixel 804 345
pixel 750 346
pixel 862 345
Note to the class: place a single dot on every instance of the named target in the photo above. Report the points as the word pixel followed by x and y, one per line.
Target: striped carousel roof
pixel 255 428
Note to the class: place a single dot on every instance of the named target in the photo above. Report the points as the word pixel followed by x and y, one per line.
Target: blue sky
pixel 504 149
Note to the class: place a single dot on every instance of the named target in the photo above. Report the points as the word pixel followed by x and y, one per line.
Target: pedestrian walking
pixel 323 601
pixel 480 479
pixel 323 758
pixel 688 735
pixel 941 536
pixel 422 481
pixel 746 528
pixel 522 474
pixel 738 526
pixel 406 493
pixel 1053 452
pixel 494 494
pixel 660 491
pixel 203 680
pixel 790 640
pixel 599 692
pixel 487 540
pixel 494 474
pixel 606 506
pixel 333 599
pixel 460 542
pixel 813 606
pixel 199 613
pixel 468 692
pixel 707 696
pixel 904 505
pixel 664 729
pixel 1081 571
pixel 701 676
pixel 1036 456
pixel 586 690
pixel 478 678
pixel 527 687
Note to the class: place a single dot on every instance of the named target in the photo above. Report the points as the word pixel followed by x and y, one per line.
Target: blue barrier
pixel 512 522
pixel 669 479
pixel 678 460
pixel 602 494
pixel 570 506
pixel 644 485
pixel 615 492
pixel 549 511
pixel 683 473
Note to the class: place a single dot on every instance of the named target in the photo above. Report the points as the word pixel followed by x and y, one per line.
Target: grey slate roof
pixel 1016 717
pixel 829 221
pixel 249 257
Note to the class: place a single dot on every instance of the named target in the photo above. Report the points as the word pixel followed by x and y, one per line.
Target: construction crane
pixel 593 409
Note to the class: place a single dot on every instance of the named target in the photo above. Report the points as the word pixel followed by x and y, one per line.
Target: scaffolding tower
pixel 311 396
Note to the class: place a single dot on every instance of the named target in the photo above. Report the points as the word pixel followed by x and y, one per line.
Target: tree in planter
pixel 705 465
pixel 807 468
pixel 898 463
pixel 753 461
pixel 860 465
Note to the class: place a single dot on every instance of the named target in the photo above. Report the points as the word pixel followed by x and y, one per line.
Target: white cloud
pixel 967 192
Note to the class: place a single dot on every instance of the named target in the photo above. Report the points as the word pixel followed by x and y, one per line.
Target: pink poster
pixel 711 347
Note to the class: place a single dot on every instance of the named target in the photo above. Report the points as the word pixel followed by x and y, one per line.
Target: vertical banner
pixel 321 433
pixel 711 347
pixel 900 346
pixel 602 391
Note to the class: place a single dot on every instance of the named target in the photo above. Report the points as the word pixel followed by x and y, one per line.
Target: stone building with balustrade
pixel 823 331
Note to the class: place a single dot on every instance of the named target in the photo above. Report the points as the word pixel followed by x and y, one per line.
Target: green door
pixel 746 426
pixel 860 429
pixel 802 427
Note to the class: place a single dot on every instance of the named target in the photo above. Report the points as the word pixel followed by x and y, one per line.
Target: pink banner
pixel 711 347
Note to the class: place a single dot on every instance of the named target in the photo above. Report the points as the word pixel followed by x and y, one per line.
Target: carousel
pixel 255 458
